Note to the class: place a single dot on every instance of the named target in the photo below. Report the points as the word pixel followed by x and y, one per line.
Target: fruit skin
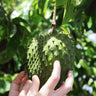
pixel 44 50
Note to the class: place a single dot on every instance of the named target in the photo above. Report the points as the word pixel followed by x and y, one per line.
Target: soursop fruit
pixel 44 50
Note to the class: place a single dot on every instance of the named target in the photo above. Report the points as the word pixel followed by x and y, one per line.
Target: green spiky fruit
pixel 44 50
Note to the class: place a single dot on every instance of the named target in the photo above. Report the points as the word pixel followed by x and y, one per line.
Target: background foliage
pixel 21 20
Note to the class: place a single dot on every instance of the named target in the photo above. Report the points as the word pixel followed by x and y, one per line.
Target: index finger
pixel 17 80
pixel 19 77
pixel 14 90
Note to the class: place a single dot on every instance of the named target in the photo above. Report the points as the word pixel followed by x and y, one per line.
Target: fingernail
pixel 70 73
pixel 35 77
pixel 22 72
pixel 56 62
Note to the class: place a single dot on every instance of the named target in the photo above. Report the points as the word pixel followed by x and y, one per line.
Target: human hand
pixel 21 86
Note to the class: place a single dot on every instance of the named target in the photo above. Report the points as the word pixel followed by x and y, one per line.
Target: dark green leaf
pixel 61 2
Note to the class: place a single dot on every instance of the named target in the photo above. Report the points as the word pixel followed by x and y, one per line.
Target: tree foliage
pixel 21 20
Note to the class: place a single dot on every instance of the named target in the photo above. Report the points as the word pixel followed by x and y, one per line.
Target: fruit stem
pixel 54 21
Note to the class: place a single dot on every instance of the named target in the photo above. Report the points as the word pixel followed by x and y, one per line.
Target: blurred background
pixel 21 20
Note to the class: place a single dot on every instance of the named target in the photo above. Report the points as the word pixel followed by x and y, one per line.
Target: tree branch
pixel 54 21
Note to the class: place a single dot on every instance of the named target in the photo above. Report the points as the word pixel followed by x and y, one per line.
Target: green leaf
pixel 68 12
pixel 23 35
pixel 7 54
pixel 65 31
pixel 4 86
pixel 22 10
pixel 95 83
pixel 84 4
pixel 18 63
pixel 5 82
pixel 44 4
pixel 94 70
pixel 89 24
pixel 13 30
pixel 83 63
pixel 41 4
pixel 11 47
pixel 2 15
pixel 61 2
pixel 89 52
pixel 18 20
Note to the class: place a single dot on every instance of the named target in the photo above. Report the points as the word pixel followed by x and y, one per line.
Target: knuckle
pixel 56 78
pixel 28 81
pixel 34 94
pixel 20 95
pixel 69 88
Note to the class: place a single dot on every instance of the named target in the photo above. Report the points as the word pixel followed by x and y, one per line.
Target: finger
pixel 35 86
pixel 26 88
pixel 13 93
pixel 67 86
pixel 23 82
pixel 19 77
pixel 15 83
pixel 54 78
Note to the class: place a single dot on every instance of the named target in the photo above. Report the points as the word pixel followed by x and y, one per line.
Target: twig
pixel 54 21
